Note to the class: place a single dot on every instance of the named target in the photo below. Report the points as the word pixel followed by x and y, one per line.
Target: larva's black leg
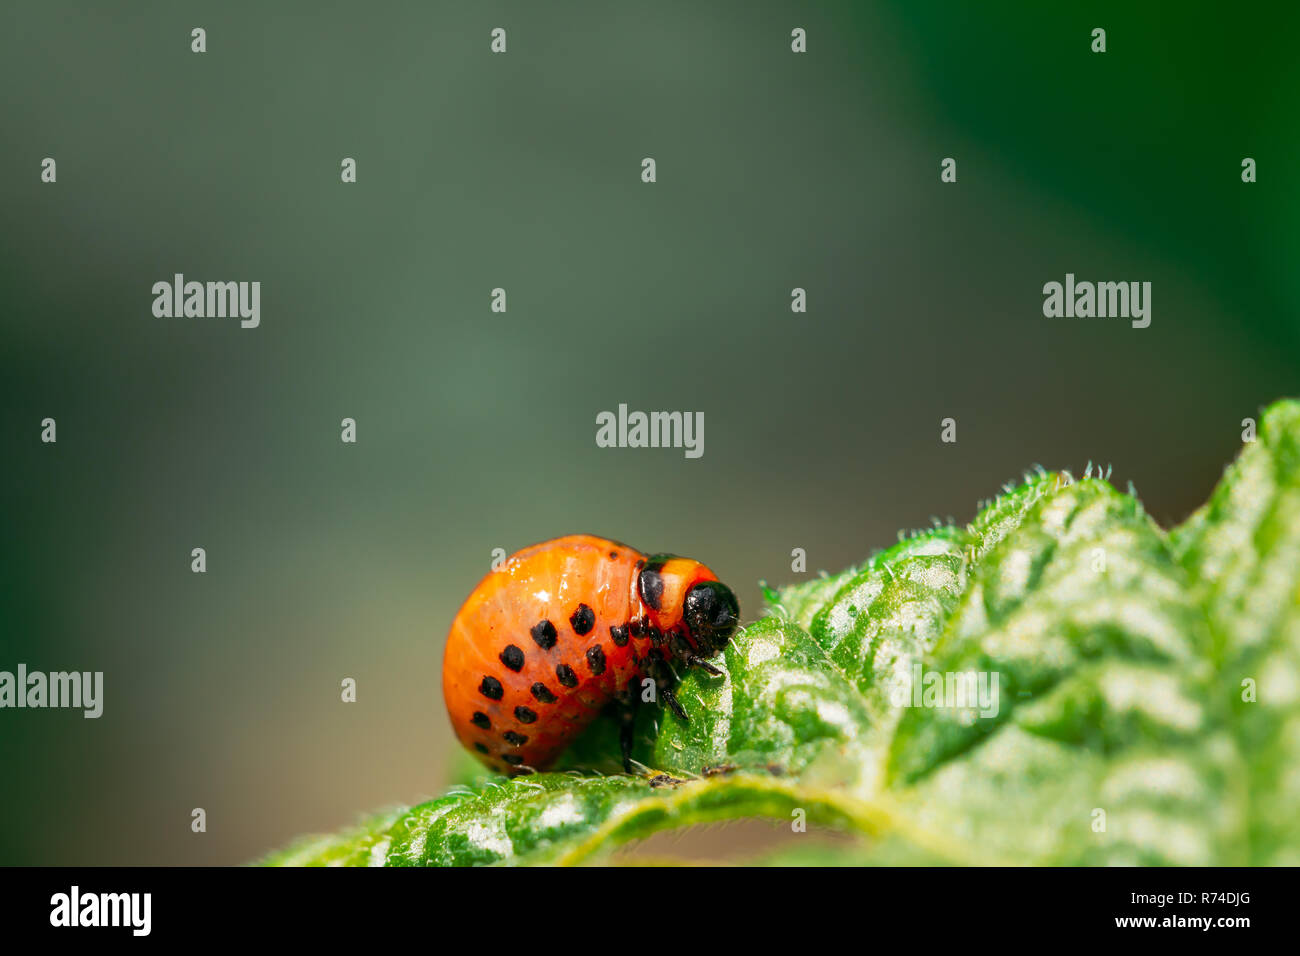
pixel 626 727
pixel 673 703
pixel 700 662
pixel 665 678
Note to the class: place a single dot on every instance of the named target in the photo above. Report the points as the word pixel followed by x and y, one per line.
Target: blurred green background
pixel 476 430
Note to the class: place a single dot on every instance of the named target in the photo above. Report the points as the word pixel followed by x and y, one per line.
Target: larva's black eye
pixel 711 612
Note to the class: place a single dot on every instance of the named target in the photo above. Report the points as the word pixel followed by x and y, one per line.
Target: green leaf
pixel 1059 682
pixel 555 818
pixel 1242 550
pixel 1085 617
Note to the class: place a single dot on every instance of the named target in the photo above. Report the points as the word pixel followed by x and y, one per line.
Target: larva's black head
pixel 711 613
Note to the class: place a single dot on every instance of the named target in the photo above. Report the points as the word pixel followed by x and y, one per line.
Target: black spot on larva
pixel 513 738
pixel 544 634
pixel 480 748
pixel 618 633
pixel 564 674
pixel 656 636
pixel 613 556
pixel 480 719
pixel 651 585
pixel 596 659
pixel 542 693
pixel 635 627
pixel 513 658
pixel 524 715
pixel 583 620
pixel 491 688
pixel 513 759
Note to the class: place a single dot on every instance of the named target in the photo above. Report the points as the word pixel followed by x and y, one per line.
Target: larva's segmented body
pixel 562 628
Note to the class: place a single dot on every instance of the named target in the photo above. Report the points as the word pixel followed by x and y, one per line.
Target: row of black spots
pixel 491 688
pixel 513 658
pixel 544 634
pixel 514 760
pixel 484 722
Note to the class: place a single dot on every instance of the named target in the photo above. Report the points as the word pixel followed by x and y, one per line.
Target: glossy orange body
pixel 546 640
